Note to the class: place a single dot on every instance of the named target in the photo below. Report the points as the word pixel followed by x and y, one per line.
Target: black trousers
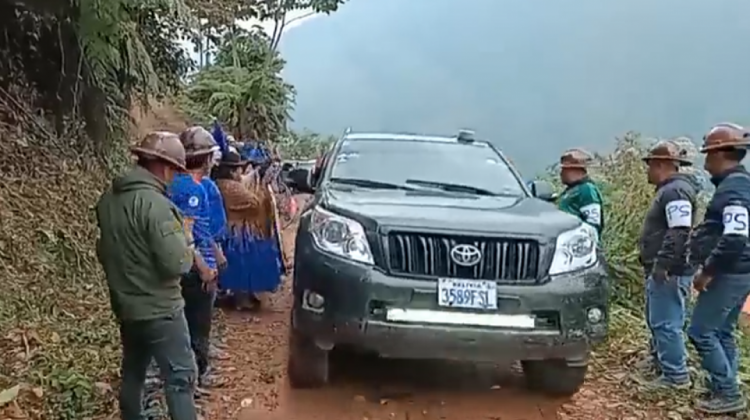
pixel 198 312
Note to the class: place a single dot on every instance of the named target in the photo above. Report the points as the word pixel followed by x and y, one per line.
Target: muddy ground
pixel 376 389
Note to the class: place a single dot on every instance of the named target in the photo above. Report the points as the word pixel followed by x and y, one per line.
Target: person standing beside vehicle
pixel 198 285
pixel 253 256
pixel 663 254
pixel 218 225
pixel 719 249
pixel 581 197
pixel 144 251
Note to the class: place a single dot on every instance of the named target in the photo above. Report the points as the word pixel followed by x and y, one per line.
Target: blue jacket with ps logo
pixel 719 243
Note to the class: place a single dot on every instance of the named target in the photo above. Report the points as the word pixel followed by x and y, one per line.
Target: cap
pixel 161 145
pixel 576 158
pixel 197 141
pixel 726 136
pixel 668 150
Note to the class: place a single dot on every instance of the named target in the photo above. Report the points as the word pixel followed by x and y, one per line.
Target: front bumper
pixel 356 298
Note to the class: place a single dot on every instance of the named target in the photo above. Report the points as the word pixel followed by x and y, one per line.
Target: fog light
pixel 313 301
pixel 595 315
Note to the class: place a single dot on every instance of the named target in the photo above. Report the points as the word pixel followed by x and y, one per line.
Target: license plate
pixel 467 294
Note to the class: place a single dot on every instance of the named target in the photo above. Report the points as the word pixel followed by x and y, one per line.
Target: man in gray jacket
pixel 663 249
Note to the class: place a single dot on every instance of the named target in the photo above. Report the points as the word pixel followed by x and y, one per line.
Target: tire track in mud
pixel 376 389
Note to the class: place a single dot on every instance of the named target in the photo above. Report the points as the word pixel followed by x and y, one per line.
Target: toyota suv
pixel 431 247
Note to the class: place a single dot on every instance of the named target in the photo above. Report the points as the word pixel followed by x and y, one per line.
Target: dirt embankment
pixel 57 337
pixel 160 116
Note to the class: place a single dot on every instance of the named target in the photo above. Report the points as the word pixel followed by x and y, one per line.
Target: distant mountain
pixel 535 77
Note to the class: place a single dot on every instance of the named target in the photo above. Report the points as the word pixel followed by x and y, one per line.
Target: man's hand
pixel 659 274
pixel 210 286
pixel 207 274
pixel 701 281
pixel 221 259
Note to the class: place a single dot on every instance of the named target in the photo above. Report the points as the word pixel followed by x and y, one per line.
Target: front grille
pixel 503 259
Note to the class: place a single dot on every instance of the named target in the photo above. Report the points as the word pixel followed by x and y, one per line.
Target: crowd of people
pixel 192 221
pixel 194 218
pixel 678 251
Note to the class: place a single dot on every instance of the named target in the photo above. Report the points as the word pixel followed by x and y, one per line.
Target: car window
pixel 397 161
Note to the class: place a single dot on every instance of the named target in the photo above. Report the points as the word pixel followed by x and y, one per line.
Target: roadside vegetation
pixel 71 74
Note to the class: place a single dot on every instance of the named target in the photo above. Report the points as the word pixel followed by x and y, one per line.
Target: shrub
pixel 58 334
pixel 621 176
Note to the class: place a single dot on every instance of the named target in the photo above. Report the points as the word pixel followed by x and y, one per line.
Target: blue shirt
pixel 191 198
pixel 217 215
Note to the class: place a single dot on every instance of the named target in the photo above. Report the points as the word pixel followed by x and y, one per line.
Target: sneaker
pixel 721 405
pixel 216 353
pixel 209 380
pixel 647 364
pixel 664 383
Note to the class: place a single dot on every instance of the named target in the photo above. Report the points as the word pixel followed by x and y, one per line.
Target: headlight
pixel 574 250
pixel 340 235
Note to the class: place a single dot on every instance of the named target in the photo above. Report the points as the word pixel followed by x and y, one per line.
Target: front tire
pixel 554 377
pixel 307 365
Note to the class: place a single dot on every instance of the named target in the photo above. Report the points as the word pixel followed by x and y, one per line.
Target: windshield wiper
pixel 446 186
pixel 368 183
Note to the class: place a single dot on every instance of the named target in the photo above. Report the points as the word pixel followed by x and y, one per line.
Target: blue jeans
pixel 666 303
pixel 712 328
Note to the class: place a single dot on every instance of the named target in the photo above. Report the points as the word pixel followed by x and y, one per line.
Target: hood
pixel 515 216
pixel 691 178
pixel 137 179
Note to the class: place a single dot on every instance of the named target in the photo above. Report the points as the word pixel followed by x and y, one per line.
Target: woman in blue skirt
pixel 250 244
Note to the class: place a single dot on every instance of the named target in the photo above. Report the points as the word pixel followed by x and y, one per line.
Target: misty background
pixel 534 77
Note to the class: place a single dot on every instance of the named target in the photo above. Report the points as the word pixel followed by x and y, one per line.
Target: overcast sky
pixel 295 18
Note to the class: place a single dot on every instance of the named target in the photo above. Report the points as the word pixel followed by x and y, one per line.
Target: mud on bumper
pixel 356 298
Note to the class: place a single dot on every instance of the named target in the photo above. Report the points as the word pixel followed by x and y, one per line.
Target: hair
pixel 263 168
pixel 197 162
pixel 223 172
pixel 147 162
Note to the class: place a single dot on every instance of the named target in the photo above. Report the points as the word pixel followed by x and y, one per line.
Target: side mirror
pixel 543 190
pixel 301 179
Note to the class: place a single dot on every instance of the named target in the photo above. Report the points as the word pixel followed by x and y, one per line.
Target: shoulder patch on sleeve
pixel 171 227
pixel 735 220
pixel 592 213
pixel 679 213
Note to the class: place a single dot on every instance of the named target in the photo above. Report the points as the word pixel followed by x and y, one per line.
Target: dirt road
pixel 375 389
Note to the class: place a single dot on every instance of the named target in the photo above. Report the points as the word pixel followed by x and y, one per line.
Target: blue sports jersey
pixel 190 196
pixel 217 214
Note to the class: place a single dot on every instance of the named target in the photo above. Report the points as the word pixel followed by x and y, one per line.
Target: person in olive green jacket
pixel 144 250
pixel 581 197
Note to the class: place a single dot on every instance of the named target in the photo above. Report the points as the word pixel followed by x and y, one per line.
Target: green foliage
pixel 303 145
pixel 58 336
pixel 244 88
pixel 68 65
pixel 621 176
pixel 91 59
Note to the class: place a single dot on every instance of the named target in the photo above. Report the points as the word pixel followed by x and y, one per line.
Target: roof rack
pixel 465 136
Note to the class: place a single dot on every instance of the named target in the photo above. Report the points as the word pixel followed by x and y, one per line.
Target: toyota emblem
pixel 466 255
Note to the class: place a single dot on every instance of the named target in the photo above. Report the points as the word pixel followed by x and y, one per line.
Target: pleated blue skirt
pixel 254 265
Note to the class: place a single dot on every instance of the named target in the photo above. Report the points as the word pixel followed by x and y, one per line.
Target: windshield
pixel 463 168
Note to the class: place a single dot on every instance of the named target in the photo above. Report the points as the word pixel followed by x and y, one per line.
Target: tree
pixel 277 10
pixel 91 58
pixel 243 88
